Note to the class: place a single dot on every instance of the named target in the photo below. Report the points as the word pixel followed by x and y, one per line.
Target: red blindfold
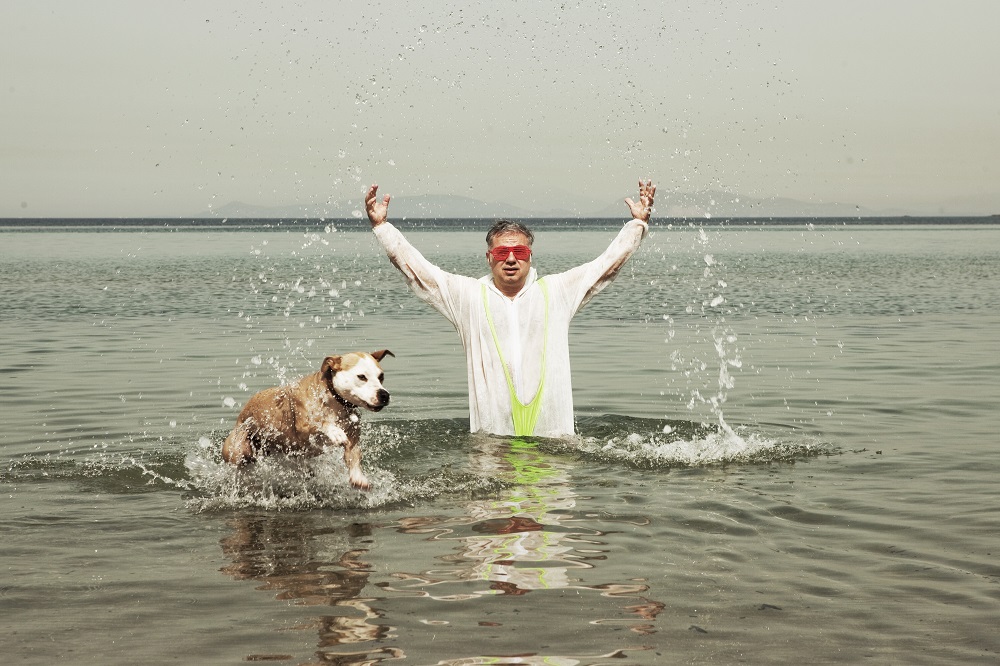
pixel 521 252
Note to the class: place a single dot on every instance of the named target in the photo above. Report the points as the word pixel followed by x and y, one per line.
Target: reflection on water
pixel 524 542
pixel 519 542
pixel 311 567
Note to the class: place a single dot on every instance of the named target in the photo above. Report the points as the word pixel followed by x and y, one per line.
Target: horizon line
pixel 256 221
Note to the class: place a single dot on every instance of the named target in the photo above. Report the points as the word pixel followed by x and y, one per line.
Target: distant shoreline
pixel 354 224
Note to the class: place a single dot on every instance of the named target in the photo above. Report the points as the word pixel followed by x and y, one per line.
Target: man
pixel 514 325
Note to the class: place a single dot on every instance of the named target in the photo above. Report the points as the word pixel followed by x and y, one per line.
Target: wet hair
pixel 506 226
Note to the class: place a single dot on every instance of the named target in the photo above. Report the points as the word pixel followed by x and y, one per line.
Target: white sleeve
pixel 579 285
pixel 430 283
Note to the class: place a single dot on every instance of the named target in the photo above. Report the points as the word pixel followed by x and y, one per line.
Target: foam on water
pixel 723 446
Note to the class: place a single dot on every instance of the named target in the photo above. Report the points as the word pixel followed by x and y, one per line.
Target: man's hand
pixel 643 209
pixel 378 212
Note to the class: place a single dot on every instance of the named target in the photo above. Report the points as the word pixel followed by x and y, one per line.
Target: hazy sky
pixel 160 108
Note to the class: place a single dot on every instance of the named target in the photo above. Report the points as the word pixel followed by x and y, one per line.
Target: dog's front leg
pixel 352 455
pixel 352 458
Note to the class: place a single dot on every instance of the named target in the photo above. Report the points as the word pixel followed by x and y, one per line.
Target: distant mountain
pixel 728 205
pixel 421 206
pixel 689 205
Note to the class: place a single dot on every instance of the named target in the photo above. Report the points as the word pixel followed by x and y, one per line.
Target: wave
pixel 412 461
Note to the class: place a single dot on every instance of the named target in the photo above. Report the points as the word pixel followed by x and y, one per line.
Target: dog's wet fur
pixel 312 413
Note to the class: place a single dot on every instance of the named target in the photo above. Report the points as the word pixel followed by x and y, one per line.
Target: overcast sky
pixel 116 108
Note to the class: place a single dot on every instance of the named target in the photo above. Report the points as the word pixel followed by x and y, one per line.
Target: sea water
pixel 786 451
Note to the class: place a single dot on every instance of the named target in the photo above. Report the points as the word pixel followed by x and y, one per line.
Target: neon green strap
pixel 525 415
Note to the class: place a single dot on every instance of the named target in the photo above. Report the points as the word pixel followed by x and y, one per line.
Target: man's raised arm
pixel 584 282
pixel 431 284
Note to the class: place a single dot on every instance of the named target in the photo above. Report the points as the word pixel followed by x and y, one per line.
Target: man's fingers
pixel 377 212
pixel 647 191
pixel 371 201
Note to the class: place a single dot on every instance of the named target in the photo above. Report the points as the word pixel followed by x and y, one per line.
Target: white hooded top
pixel 519 323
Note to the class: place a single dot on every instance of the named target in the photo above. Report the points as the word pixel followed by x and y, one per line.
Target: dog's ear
pixel 331 365
pixel 380 354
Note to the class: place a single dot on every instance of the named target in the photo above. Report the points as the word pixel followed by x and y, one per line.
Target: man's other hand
pixel 644 208
pixel 378 211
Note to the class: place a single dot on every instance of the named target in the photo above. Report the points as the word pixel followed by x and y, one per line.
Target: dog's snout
pixel 381 400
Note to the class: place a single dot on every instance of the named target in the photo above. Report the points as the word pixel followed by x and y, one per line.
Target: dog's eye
pixel 362 378
pixel 381 378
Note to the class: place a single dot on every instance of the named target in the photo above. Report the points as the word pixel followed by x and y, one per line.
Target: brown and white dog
pixel 312 413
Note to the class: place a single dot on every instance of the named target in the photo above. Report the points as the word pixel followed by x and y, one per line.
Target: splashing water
pixel 300 287
pixel 706 319
pixel 725 344
pixel 284 483
pixel 647 444
pixel 407 461
pixel 289 483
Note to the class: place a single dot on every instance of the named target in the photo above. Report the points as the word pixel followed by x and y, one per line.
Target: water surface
pixel 786 450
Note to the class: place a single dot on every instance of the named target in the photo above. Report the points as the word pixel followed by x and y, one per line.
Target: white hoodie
pixel 519 323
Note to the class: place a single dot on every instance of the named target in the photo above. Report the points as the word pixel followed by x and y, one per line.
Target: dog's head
pixel 357 378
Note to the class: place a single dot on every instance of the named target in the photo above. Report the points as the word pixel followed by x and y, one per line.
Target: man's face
pixel 509 274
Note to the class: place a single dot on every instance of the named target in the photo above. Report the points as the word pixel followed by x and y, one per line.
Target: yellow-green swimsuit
pixel 525 415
